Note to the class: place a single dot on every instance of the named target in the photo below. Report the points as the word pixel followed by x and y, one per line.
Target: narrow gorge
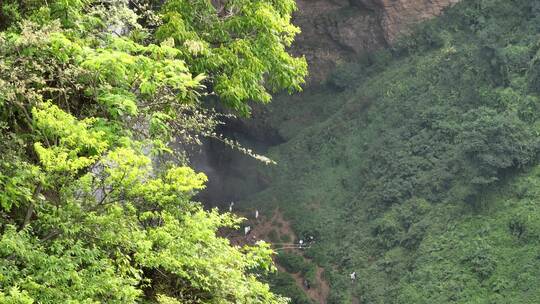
pixel 400 156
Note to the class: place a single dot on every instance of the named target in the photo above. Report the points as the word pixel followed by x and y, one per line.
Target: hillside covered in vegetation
pixel 95 205
pixel 417 166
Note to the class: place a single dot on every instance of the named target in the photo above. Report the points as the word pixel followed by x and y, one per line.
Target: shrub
pixel 284 284
pixel 273 236
pixel 482 260
pixel 293 263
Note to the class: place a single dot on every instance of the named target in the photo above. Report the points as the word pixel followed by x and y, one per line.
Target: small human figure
pixel 306 284
pixel 230 206
pixel 300 243
pixel 353 276
pixel 247 229
pixel 256 214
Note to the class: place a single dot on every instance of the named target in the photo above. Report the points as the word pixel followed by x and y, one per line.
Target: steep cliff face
pixel 333 31
pixel 398 15
pixel 337 30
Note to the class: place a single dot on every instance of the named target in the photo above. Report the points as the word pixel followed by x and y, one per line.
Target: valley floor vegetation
pixel 417 166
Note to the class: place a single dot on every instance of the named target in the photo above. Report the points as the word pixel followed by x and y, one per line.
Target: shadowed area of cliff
pixel 337 31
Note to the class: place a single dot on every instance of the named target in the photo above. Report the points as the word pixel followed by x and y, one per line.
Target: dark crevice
pixel 232 174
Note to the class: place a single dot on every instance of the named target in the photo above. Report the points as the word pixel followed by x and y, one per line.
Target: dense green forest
pixel 416 166
pixel 95 206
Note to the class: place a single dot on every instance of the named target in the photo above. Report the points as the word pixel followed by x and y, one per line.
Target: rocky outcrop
pixel 398 15
pixel 337 30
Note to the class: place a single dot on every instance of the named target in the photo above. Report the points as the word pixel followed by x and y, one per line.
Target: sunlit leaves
pixel 240 44
pixel 119 103
pixel 87 97
pixel 69 144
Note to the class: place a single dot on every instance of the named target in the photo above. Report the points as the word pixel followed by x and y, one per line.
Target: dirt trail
pixel 277 230
pixel 318 293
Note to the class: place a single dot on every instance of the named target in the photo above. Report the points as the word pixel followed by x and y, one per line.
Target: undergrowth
pixel 416 166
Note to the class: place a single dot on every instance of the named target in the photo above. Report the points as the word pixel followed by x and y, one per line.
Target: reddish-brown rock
pixel 338 30
pixel 398 15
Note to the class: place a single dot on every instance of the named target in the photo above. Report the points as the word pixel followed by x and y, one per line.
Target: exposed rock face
pixel 398 15
pixel 336 30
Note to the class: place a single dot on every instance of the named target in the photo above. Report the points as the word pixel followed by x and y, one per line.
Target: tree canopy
pixel 94 204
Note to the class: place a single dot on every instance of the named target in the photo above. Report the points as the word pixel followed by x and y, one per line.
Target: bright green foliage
pixel 77 146
pixel 87 97
pixel 241 44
